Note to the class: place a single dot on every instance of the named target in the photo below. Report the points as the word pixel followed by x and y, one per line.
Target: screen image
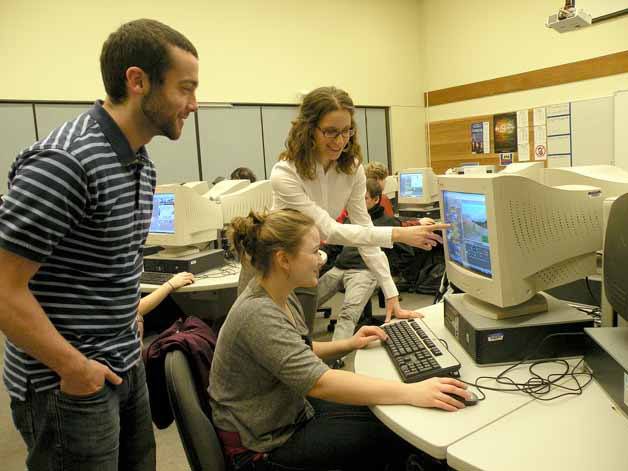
pixel 411 185
pixel 162 220
pixel 467 239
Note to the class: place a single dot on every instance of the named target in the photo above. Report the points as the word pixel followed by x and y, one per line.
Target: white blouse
pixel 323 199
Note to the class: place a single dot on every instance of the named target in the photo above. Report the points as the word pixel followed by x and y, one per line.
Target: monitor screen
pixel 162 221
pixel 467 239
pixel 411 185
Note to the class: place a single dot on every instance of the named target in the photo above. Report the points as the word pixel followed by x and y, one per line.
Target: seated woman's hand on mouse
pixel 434 392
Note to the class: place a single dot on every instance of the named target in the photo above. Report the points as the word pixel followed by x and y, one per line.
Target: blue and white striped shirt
pixel 80 204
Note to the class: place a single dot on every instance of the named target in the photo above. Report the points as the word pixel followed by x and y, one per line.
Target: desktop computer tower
pixel 492 341
pixel 194 263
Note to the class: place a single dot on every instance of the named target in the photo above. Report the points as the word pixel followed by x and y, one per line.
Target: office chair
pixel 367 313
pixel 200 441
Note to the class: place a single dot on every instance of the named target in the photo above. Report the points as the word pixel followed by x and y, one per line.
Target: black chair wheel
pixel 331 326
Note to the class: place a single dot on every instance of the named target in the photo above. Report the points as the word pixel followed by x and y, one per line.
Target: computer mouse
pixel 473 400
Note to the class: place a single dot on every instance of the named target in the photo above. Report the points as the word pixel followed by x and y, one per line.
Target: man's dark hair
pixel 243 173
pixel 373 188
pixel 141 43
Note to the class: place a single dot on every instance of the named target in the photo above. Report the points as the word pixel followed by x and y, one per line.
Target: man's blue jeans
pixel 109 430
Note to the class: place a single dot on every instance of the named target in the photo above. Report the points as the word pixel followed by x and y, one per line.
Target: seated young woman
pixel 275 402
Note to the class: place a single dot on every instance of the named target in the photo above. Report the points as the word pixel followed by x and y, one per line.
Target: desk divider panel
pixel 277 121
pixel 230 137
pixel 17 132
pixel 176 161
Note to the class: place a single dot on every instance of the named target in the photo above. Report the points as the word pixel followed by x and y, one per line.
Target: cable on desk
pixel 537 386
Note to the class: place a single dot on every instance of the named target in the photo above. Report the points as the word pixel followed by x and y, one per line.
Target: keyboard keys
pixel 415 354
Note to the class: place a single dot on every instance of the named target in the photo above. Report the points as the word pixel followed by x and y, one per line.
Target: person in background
pixel 72 229
pixel 377 171
pixel 271 394
pixel 243 173
pixel 152 300
pixel 319 173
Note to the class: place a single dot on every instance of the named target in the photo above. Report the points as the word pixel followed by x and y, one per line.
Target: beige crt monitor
pixel 182 220
pixel 224 187
pixel 476 169
pixel 257 196
pixel 391 186
pixel 417 187
pixel 613 181
pixel 512 237
pixel 531 170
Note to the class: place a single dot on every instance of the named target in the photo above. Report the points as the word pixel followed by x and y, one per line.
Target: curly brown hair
pixel 300 142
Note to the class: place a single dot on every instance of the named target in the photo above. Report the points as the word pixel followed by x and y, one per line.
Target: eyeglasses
pixel 333 133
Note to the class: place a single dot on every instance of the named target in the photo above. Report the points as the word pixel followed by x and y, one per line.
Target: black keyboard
pixel 155 277
pixel 416 352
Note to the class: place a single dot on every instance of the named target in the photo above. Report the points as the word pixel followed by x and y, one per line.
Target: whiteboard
pixel 592 131
pixel 621 128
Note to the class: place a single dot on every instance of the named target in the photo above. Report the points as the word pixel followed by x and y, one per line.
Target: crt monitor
pixel 257 196
pixel 224 187
pixel 532 170
pixel 182 220
pixel 474 169
pixel 417 186
pixel 512 237
pixel 613 181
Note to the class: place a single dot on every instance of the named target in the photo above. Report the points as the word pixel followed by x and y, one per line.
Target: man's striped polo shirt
pixel 80 203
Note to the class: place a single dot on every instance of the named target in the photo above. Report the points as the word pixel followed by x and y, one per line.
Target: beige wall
pixel 259 51
pixel 384 52
pixel 472 40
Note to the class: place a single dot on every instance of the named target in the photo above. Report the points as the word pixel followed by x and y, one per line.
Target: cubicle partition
pixel 215 140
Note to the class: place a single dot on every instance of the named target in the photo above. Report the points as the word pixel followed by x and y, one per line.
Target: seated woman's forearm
pixel 349 388
pixel 334 349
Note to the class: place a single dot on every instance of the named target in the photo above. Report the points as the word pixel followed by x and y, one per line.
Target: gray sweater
pixel 261 371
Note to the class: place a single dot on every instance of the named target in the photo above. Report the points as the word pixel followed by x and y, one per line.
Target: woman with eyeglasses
pixel 320 172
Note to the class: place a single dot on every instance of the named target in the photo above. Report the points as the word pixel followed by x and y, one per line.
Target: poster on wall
pixel 505 132
pixel 505 159
pixel 523 143
pixel 480 143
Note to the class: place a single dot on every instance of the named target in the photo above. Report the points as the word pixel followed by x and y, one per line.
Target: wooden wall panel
pixel 597 67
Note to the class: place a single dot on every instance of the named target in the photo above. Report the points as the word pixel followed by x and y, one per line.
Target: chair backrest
pixel 200 442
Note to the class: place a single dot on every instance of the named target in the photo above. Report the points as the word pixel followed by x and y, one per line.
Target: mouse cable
pixel 538 386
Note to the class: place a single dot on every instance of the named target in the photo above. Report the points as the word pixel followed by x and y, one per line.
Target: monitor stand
pixel 536 305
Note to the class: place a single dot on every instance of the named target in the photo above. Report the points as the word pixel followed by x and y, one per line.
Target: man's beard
pixel 153 107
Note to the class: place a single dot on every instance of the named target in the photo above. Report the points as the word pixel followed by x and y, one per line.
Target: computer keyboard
pixel 155 277
pixel 416 352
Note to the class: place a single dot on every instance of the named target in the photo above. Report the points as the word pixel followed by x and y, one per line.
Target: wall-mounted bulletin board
pixel 457 142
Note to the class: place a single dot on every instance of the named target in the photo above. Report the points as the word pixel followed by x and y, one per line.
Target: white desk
pixel 575 433
pixel 210 297
pixel 435 431
pixel 218 278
